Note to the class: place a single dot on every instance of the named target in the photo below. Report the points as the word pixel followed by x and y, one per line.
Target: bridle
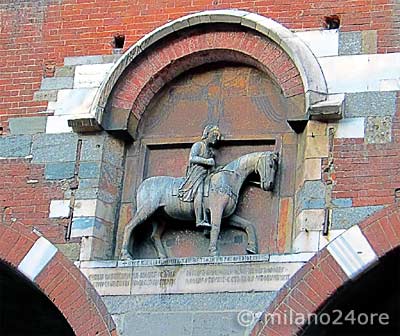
pixel 261 166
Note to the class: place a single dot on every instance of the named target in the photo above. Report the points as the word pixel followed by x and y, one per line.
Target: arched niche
pixel 138 80
pixel 251 111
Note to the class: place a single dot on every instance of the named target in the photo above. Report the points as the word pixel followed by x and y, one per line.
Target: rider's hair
pixel 208 129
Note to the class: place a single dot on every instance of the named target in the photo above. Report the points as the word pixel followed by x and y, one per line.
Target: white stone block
pixel 306 242
pixel 311 220
pixel 332 235
pixel 91 75
pixel 321 42
pixel 58 124
pixel 390 85
pixel 350 128
pixel 312 169
pixel 353 252
pixel 85 208
pixel 99 264
pixel 94 208
pixel 292 257
pixel 37 258
pixel 360 73
pixel 73 102
pixel 59 209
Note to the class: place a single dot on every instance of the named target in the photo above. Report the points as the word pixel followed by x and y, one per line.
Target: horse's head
pixel 266 168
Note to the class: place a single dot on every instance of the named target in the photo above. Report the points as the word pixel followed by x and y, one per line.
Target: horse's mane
pixel 233 165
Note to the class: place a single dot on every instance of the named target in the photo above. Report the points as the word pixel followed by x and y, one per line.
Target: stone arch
pixel 309 289
pixel 62 282
pixel 261 42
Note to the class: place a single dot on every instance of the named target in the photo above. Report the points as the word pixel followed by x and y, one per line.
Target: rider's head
pixel 212 133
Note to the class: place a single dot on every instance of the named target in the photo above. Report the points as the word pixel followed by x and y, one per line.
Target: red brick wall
pixel 24 200
pixel 34 37
pixel 367 173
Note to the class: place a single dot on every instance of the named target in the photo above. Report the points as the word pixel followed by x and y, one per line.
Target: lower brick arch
pixel 57 278
pixel 310 288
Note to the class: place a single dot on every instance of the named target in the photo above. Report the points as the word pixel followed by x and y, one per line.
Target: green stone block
pixel 59 170
pixel 30 125
pixel 15 146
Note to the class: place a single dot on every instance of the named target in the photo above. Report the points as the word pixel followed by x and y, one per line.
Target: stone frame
pixel 165 53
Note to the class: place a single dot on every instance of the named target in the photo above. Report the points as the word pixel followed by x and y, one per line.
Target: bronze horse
pixel 224 187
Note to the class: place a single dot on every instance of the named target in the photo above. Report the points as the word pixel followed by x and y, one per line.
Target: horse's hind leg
pixel 141 215
pixel 158 230
pixel 241 223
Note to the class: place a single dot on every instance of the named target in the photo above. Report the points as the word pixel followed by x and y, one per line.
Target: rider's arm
pixel 197 159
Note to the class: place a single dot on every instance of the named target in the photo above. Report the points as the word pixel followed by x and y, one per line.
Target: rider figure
pixel 201 161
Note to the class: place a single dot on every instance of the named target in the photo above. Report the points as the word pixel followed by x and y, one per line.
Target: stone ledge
pixel 176 261
pixel 273 258
pixel 330 109
pixel 84 125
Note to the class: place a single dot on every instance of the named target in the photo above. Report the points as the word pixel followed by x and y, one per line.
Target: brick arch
pixel 309 289
pixel 145 78
pixel 259 40
pixel 58 279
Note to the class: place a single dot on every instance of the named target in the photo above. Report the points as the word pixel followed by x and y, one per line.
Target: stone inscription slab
pixel 245 277
pixel 110 281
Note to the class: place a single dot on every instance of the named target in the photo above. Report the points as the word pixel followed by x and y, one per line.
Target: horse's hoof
pixel 203 224
pixel 214 253
pixel 125 256
pixel 252 250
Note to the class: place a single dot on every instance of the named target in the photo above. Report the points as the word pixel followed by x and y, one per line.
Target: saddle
pixel 207 183
pixel 178 183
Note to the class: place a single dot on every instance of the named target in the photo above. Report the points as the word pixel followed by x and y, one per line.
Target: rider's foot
pixel 203 224
pixel 125 255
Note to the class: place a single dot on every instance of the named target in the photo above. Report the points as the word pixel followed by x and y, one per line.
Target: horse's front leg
pixel 239 222
pixel 216 211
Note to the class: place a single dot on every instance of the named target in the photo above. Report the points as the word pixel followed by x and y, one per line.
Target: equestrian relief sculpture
pixel 207 193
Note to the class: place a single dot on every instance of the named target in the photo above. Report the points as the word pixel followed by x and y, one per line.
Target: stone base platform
pixel 248 273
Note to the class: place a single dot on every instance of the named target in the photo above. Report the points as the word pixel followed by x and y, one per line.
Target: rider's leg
pixel 198 211
pixel 201 218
